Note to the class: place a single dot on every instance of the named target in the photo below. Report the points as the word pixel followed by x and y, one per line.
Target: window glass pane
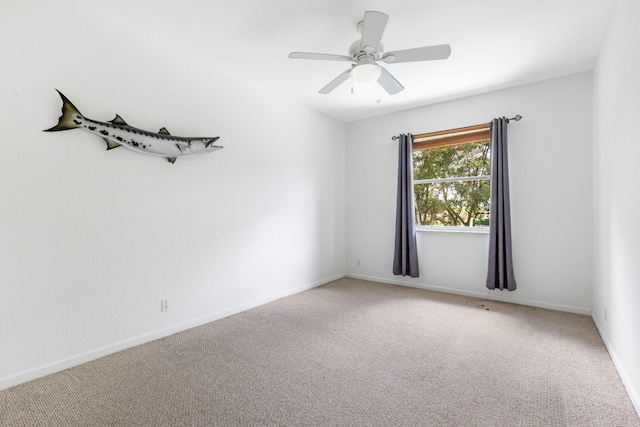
pixel 446 162
pixel 458 203
pixel 455 204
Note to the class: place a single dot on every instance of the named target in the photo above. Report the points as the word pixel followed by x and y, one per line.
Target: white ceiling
pixel 495 43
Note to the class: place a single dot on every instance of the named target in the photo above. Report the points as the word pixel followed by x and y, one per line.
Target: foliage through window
pixel 451 185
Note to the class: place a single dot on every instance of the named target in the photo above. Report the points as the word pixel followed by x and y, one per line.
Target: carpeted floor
pixel 350 353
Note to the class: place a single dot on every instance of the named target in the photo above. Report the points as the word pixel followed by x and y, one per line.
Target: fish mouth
pixel 211 141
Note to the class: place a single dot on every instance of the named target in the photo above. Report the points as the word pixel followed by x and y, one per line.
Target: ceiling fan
pixel 364 54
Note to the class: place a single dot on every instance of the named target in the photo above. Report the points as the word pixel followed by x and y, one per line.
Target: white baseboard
pixel 634 395
pixel 484 295
pixel 70 362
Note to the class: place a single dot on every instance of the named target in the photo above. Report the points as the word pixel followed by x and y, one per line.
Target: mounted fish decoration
pixel 118 133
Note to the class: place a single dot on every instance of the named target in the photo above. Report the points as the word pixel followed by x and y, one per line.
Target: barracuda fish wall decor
pixel 118 133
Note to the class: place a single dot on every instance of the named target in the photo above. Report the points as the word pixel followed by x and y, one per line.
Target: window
pixel 451 178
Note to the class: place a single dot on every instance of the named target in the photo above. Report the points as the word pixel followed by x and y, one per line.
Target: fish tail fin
pixel 70 116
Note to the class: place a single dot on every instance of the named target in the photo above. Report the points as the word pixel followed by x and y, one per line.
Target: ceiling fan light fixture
pixel 366 73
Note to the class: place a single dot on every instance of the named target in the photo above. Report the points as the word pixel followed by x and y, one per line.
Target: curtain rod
pixel 516 118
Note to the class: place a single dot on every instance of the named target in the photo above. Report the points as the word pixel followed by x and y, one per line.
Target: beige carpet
pixel 350 353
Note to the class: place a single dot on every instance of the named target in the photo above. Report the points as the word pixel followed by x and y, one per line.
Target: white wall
pixel 551 187
pixel 617 199
pixel 91 240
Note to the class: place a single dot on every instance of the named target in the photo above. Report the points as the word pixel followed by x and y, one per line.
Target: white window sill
pixel 441 229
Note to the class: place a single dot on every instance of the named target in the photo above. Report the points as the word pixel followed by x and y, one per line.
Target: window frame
pixel 448 138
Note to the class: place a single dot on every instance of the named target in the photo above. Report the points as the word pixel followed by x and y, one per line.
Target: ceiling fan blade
pixel 389 83
pixel 336 82
pixel 426 53
pixel 372 29
pixel 323 56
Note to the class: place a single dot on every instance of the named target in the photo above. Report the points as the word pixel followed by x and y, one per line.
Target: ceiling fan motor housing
pixel 367 55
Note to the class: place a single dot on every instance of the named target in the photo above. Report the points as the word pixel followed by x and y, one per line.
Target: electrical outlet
pixel 164 304
pixel 358 263
pixel 605 314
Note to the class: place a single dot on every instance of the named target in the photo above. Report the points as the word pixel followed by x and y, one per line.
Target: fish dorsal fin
pixel 164 131
pixel 118 121
pixel 172 160
pixel 110 144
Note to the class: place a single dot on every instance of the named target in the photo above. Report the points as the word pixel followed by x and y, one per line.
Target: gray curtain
pixel 500 271
pixel 405 259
